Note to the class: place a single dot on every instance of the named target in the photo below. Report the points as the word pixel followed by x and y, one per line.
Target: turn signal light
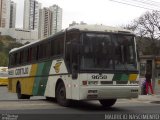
pixel 84 82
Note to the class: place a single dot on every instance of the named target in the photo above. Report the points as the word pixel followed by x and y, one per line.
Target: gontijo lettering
pixel 21 71
pixel 11 72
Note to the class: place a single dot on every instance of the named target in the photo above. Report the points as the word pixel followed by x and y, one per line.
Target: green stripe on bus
pixel 120 77
pixel 40 82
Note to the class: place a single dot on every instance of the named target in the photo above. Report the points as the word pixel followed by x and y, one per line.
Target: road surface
pixel 39 108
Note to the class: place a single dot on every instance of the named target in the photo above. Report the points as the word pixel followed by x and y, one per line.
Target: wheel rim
pixel 62 94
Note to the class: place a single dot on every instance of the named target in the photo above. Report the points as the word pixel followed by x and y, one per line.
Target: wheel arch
pixel 18 82
pixel 58 81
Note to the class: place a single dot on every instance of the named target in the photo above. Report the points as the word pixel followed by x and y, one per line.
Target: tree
pixel 3 60
pixel 6 44
pixel 148 26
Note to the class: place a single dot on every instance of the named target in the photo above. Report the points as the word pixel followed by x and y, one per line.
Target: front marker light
pixel 84 82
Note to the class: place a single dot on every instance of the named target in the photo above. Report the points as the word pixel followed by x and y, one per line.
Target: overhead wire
pixel 150 3
pixel 137 4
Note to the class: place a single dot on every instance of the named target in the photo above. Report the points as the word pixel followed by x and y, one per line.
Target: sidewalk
pixel 149 98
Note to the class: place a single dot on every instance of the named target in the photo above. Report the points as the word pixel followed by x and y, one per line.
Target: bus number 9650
pixel 99 76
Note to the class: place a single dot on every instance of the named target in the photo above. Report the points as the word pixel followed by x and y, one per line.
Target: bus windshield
pixel 108 52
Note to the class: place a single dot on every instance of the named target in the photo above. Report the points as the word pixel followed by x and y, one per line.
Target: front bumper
pixel 108 92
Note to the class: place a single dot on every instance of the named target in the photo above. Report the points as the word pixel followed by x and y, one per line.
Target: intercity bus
pixel 83 62
pixel 3 75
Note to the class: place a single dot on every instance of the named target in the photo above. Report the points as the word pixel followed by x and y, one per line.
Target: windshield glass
pixel 108 52
pixel 125 58
pixel 97 51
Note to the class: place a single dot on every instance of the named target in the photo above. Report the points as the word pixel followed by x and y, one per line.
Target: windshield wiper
pixel 122 57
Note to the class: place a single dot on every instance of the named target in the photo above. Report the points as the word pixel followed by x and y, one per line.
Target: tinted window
pixel 125 57
pixel 97 52
pixel 57 46
pixel 44 50
pixel 21 57
pixel 34 53
pixel 25 57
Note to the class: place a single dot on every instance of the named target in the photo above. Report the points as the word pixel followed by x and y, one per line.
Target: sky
pixel 104 12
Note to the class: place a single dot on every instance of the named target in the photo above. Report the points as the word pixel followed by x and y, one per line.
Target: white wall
pixel 20 35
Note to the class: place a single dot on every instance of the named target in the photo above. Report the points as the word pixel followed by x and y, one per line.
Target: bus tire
pixel 108 102
pixel 61 95
pixel 19 95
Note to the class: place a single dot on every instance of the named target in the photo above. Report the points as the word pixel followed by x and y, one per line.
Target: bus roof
pixel 100 28
pixel 14 49
pixel 94 28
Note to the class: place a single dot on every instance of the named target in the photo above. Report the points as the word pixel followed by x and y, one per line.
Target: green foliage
pixel 1 45
pixel 6 44
pixel 147 46
pixel 147 28
pixel 3 59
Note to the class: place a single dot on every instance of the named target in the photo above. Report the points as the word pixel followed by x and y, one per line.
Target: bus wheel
pixel 61 95
pixel 19 95
pixel 108 102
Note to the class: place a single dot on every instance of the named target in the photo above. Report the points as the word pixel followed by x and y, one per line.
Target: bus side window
pixel 57 46
pixel 21 57
pixel 53 48
pixel 46 50
pixel 61 45
pixel 34 53
pixel 40 54
pixel 30 55
pixel 25 58
pixel 11 60
pixel 15 59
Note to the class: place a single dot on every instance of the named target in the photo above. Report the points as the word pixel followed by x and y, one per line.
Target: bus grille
pixel 111 82
pixel 106 82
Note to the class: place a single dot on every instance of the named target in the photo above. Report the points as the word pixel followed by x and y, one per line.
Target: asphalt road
pixel 39 108
pixel 5 95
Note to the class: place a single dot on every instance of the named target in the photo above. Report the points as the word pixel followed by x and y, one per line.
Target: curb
pixel 149 98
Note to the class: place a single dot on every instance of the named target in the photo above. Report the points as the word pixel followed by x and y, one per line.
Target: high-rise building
pixel 4 13
pixel 50 21
pixel 56 18
pixel 31 14
pixel 45 23
pixel 12 15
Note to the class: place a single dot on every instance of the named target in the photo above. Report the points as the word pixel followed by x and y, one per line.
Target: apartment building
pixel 56 18
pixel 45 23
pixel 12 15
pixel 50 21
pixel 4 13
pixel 31 15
